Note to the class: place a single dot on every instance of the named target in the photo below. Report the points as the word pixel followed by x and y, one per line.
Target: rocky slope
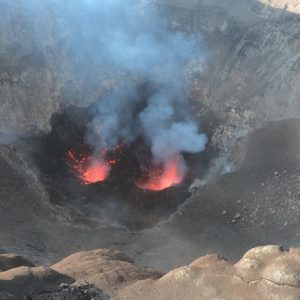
pixel 258 203
pixel 252 62
pixel 262 273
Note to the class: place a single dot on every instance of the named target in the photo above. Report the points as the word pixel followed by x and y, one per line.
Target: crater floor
pixel 257 203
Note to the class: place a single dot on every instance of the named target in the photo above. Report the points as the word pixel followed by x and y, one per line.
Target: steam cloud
pixel 139 45
pixel 127 37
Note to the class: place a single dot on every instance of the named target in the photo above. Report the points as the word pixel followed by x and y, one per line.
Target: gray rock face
pixel 252 62
pixel 43 64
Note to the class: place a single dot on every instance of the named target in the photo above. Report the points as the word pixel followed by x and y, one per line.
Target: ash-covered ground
pixel 243 190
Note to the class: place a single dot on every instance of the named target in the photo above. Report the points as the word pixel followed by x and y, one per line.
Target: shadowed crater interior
pixel 121 198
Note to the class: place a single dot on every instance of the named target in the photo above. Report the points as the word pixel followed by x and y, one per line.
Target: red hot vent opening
pixel 123 184
pixel 163 176
pixel 92 169
pixel 88 169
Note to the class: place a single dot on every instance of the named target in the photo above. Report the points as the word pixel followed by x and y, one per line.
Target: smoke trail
pixel 132 42
pixel 140 45
pixel 114 119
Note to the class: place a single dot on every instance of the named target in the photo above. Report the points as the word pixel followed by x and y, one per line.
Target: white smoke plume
pixel 138 43
pixel 130 38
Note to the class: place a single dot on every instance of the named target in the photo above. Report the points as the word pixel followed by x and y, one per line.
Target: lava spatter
pixel 165 175
pixel 88 168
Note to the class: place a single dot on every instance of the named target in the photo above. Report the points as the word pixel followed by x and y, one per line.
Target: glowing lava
pixel 89 169
pixel 166 175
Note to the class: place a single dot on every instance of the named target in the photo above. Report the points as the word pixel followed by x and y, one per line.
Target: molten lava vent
pixel 163 176
pixel 146 115
pixel 128 156
pixel 88 169
pixel 112 130
pixel 96 169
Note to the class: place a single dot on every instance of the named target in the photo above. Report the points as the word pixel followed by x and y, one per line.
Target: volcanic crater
pixel 124 186
pixel 62 191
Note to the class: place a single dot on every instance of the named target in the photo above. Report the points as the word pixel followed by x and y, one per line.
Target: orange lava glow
pixel 164 176
pixel 89 169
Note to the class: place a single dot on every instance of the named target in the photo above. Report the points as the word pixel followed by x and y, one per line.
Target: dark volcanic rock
pixel 25 280
pixel 11 261
pixel 76 291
